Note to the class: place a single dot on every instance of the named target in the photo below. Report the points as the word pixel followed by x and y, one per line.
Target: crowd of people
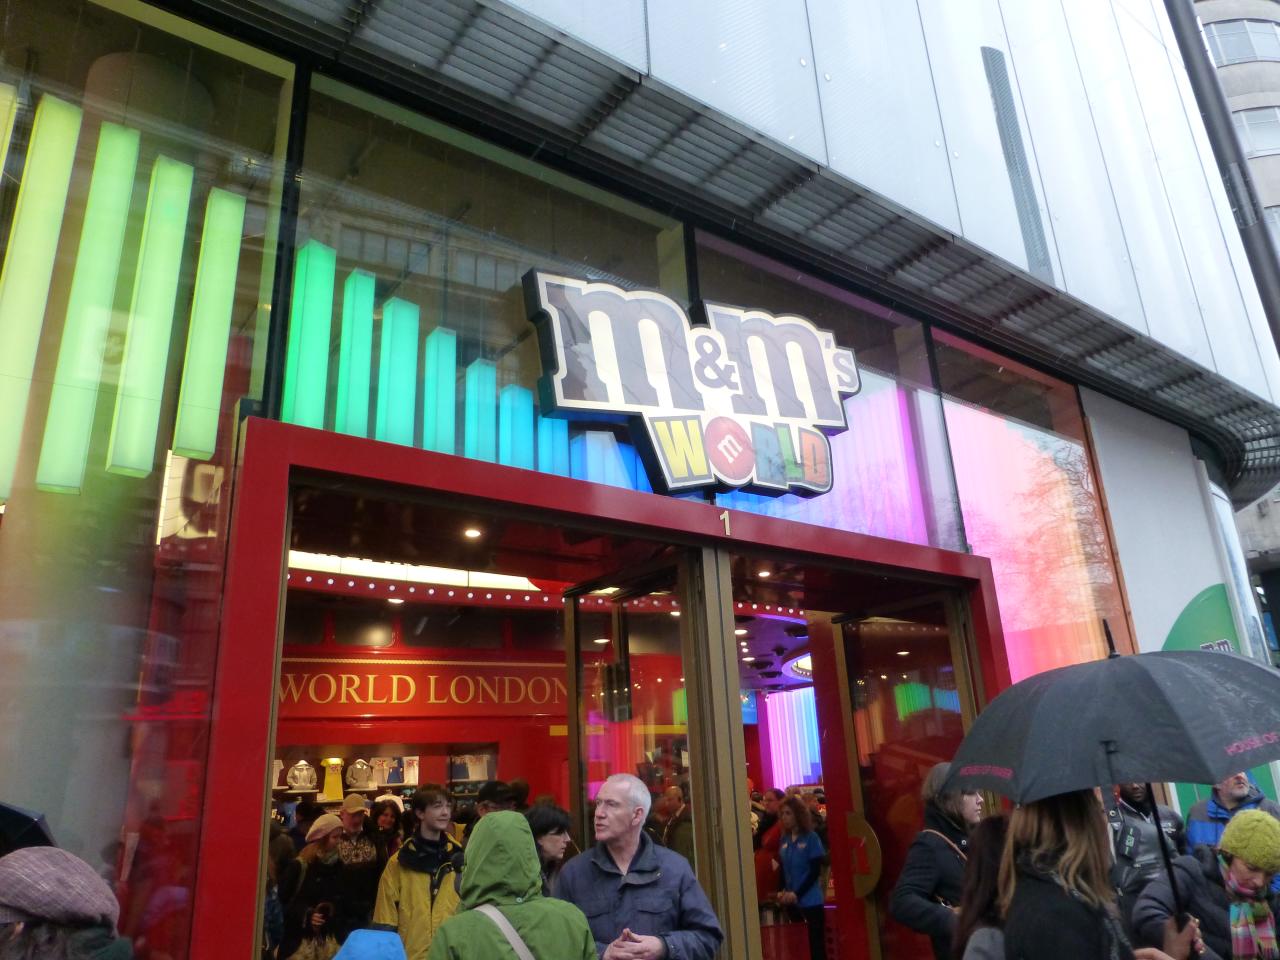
pixel 424 872
pixel 1067 877
pixel 1083 875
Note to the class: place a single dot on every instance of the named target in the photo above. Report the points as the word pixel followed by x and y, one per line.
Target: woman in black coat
pixel 927 894
pixel 1055 887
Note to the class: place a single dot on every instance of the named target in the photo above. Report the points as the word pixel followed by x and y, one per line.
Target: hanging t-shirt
pixel 395 773
pixel 381 767
pixel 277 768
pixel 332 780
pixel 411 771
pixel 798 856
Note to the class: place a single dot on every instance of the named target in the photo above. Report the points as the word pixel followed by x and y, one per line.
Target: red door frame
pixel 233 823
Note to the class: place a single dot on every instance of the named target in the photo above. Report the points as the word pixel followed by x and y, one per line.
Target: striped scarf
pixel 1253 928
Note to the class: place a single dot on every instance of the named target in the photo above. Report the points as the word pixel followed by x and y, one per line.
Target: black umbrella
pixel 1184 715
pixel 22 828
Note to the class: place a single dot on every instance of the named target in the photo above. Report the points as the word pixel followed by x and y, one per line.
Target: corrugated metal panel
pixel 480 58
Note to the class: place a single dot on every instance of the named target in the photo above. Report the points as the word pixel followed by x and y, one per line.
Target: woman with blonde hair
pixel 1055 890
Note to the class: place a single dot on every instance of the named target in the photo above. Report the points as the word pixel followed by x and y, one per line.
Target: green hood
pixel 501 862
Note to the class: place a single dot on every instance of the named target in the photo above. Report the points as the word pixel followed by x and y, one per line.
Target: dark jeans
pixel 815 919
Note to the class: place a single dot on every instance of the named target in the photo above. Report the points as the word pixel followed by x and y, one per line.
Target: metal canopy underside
pixel 500 67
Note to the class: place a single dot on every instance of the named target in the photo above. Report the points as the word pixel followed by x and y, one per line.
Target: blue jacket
pixel 659 896
pixel 1208 818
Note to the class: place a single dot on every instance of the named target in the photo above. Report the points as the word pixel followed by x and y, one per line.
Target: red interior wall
pixel 526 749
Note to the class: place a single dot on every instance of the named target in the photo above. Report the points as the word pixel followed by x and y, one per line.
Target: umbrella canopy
pixel 22 828
pixel 1185 715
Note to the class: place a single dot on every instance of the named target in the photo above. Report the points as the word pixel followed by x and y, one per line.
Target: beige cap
pixel 325 824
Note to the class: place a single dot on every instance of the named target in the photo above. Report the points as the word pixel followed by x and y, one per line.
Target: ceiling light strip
pixel 134 427
pixel 64 449
pixel 200 399
pixel 29 259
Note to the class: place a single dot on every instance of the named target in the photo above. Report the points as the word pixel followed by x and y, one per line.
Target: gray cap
pixel 46 883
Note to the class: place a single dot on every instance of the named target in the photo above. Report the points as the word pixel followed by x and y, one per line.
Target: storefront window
pixel 889 469
pixel 1031 505
pixel 138 212
pixel 409 323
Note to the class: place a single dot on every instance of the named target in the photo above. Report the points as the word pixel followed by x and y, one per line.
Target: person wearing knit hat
pixel 53 904
pixel 1227 888
pixel 312 892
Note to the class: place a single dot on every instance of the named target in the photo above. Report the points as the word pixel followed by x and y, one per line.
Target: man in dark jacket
pixel 1135 843
pixel 1249 849
pixel 641 899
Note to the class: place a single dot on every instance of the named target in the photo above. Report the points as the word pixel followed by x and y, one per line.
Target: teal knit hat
pixel 1254 837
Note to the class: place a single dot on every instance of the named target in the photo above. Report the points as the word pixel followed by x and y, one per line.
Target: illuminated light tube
pixel 306 370
pixel 200 399
pixel 596 456
pixel 355 355
pixel 132 451
pixel 553 446
pixel 515 426
pixel 397 372
pixel 440 399
pixel 480 414
pixel 68 430
pixel 28 267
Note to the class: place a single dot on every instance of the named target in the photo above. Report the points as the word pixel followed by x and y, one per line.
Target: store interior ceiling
pixel 381 529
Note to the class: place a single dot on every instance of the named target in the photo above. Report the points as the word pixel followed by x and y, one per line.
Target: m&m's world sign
pixel 742 400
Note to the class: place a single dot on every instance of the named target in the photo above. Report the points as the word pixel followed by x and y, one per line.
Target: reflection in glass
pixel 408 321
pixel 634 713
pixel 1031 506
pixel 890 469
pixel 138 216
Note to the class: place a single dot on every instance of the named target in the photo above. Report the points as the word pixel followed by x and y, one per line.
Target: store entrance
pixel 450 635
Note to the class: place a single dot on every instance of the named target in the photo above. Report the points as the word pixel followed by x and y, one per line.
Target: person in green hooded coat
pixel 502 869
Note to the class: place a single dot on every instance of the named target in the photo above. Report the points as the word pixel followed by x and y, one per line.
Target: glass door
pixel 650 655
pixel 910 699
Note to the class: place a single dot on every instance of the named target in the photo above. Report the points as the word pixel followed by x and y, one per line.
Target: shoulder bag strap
pixel 508 931
pixel 947 840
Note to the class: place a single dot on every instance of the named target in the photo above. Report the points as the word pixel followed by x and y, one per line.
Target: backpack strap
pixel 504 925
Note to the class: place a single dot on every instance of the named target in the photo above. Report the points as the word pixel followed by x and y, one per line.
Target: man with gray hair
pixel 641 899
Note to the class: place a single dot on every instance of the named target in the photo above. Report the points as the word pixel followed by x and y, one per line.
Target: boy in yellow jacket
pixel 418 890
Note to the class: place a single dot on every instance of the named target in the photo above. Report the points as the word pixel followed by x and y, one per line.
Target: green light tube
pixel 440 397
pixel 28 267
pixel 132 451
pixel 306 371
pixel 515 426
pixel 74 399
pixel 480 413
pixel 195 434
pixel 397 372
pixel 355 355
